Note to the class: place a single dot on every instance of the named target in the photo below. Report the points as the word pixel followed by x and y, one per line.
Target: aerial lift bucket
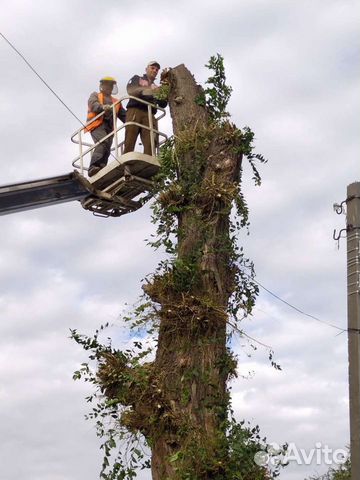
pixel 121 187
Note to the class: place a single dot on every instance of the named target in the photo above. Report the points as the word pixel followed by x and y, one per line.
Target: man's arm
pixel 122 114
pixel 136 90
pixel 94 104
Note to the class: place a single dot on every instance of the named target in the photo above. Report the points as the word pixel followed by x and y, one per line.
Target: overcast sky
pixel 294 68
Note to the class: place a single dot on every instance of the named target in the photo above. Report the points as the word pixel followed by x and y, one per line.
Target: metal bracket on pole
pixel 339 207
pixel 338 236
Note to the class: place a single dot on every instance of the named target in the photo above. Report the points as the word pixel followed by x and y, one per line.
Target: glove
pixel 106 108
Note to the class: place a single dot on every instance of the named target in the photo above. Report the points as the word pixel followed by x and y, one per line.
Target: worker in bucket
pixel 103 101
pixel 144 88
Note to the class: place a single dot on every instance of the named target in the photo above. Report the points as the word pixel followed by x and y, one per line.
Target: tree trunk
pixel 192 364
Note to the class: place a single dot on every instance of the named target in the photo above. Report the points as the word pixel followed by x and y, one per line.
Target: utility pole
pixel 353 289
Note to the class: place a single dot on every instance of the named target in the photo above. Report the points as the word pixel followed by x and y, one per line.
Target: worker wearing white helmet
pixel 144 88
pixel 103 101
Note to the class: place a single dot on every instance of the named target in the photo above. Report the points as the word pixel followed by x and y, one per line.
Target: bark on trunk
pixel 192 337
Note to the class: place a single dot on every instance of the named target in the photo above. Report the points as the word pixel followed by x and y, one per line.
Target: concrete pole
pixel 353 288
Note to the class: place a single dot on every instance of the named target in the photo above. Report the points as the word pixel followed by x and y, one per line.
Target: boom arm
pixel 41 193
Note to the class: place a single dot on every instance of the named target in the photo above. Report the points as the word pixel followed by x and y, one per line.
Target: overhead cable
pixel 41 78
pixel 294 307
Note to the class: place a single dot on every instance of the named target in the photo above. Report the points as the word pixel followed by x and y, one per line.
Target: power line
pixel 41 78
pixel 294 307
pixel 47 85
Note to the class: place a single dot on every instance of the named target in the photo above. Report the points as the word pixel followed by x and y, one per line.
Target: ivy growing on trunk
pixel 174 403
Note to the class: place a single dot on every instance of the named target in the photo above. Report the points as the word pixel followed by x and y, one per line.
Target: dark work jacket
pixel 136 86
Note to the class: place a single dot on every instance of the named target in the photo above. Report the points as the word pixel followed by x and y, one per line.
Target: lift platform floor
pixel 118 186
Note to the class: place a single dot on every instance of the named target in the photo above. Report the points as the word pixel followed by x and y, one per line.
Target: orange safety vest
pixel 96 123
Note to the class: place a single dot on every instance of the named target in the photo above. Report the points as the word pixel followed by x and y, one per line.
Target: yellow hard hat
pixel 108 79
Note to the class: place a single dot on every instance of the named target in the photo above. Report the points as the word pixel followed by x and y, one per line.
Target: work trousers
pixel 132 131
pixel 101 153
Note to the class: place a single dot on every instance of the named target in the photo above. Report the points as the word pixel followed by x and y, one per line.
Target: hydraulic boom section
pixel 41 193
